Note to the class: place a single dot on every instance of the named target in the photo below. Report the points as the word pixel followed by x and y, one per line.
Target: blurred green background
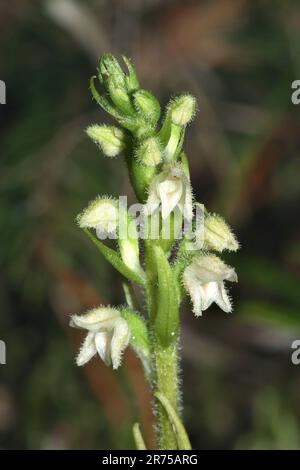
pixel 239 59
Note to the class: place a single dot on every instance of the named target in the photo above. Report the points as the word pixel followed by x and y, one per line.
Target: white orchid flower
pixel 108 335
pixel 204 281
pixel 171 188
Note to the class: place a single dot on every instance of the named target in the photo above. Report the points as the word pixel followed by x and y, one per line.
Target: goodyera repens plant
pixel 168 250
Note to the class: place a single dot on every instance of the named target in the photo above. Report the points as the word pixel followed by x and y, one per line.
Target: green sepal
pixel 167 315
pixel 114 259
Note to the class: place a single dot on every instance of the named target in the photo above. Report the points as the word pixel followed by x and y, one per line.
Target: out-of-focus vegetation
pixel 239 59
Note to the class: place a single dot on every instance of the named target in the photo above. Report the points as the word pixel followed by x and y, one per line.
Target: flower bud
pixel 146 104
pixel 114 80
pixel 217 234
pixel 149 153
pixel 182 110
pixel 121 99
pixel 110 71
pixel 101 214
pixel 110 139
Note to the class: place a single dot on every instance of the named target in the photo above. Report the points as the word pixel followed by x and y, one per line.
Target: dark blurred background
pixel 239 59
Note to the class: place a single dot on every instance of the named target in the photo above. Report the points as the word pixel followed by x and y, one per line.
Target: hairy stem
pixel 166 382
pixel 164 357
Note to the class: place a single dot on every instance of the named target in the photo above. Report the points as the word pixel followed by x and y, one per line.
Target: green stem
pixel 166 383
pixel 164 356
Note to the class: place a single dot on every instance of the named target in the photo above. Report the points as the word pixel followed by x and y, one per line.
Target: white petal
pixel 120 340
pixel 93 320
pixel 103 345
pixel 87 350
pixel 170 192
pixel 153 200
pixel 210 268
pixel 223 300
pixel 192 286
pixel 196 298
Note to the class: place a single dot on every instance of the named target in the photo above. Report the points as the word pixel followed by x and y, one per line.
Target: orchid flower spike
pixel 171 188
pixel 204 281
pixel 108 335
